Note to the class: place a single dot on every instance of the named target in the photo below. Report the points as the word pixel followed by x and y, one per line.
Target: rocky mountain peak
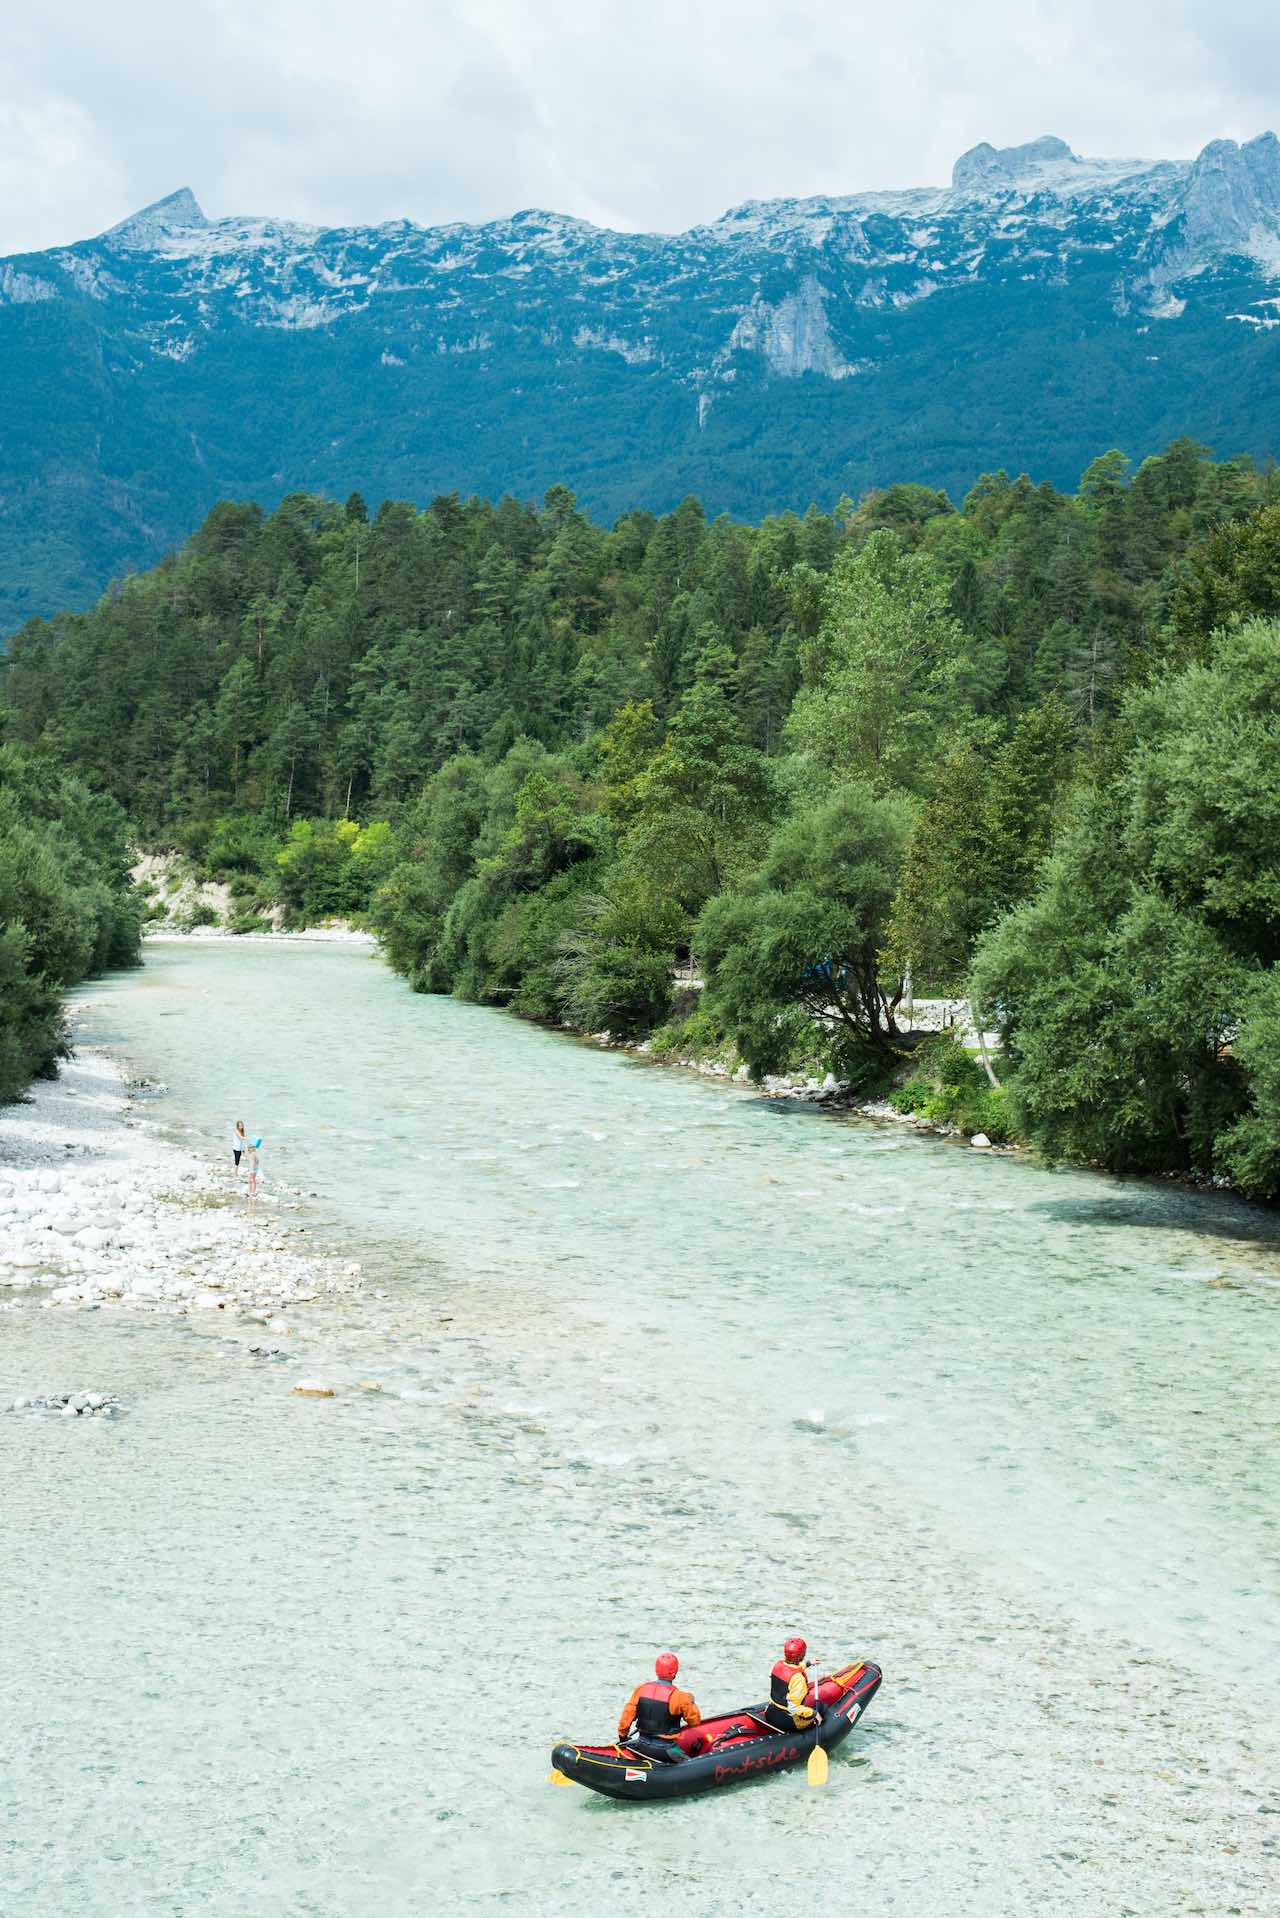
pixel 985 165
pixel 1233 193
pixel 176 212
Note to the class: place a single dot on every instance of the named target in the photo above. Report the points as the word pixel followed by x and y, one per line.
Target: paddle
pixel 816 1772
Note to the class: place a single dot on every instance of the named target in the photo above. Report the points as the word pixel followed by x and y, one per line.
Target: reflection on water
pixel 659 1362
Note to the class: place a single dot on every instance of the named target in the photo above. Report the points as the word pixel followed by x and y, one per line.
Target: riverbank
pixel 99 1212
pixel 826 1092
pixel 183 903
pixel 337 934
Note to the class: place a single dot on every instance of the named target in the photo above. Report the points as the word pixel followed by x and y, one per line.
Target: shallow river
pixel 664 1363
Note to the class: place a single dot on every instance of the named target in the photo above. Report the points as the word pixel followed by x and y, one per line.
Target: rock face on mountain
pixel 1036 311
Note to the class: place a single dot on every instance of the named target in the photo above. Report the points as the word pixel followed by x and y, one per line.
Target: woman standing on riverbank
pixel 238 1143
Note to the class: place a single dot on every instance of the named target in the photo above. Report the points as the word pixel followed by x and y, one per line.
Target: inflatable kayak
pixel 725 1749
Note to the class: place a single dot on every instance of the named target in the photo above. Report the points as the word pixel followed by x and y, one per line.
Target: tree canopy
pixel 1025 746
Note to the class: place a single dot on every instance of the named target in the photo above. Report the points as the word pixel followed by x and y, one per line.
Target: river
pixel 663 1363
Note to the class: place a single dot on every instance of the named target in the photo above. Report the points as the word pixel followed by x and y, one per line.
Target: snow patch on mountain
pixel 791 285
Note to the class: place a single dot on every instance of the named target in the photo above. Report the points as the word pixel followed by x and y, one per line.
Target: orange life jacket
pixel 654 1716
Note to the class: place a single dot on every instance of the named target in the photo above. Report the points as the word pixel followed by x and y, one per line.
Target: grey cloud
pixel 643 117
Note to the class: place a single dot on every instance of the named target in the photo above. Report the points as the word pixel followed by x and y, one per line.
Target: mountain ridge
pixel 1039 305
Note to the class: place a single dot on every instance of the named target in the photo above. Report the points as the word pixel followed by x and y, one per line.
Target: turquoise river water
pixel 664 1363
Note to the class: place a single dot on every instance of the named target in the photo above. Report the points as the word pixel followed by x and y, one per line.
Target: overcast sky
pixel 632 113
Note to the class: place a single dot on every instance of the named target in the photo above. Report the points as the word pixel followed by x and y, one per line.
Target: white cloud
pixel 655 116
pixel 53 175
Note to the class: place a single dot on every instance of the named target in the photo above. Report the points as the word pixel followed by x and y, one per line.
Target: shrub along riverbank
pixel 66 907
pixel 1024 748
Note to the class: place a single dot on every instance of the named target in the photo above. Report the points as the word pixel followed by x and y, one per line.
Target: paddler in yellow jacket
pixel 789 1709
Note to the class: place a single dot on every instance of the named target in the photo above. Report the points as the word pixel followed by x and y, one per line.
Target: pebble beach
pixel 99 1213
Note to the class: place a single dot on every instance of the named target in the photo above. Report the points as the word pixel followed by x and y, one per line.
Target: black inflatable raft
pixel 725 1749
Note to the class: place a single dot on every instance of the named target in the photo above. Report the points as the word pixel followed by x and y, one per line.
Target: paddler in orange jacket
pixel 658 1710
pixel 789 1709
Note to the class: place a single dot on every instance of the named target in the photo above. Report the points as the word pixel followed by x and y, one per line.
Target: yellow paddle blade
pixel 558 1777
pixel 817 1773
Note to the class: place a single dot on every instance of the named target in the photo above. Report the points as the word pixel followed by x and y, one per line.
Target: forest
pixel 1024 748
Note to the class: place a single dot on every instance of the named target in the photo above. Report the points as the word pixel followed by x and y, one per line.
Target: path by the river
pixel 661 1363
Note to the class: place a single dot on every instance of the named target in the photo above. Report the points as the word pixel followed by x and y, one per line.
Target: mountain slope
pixel 1039 307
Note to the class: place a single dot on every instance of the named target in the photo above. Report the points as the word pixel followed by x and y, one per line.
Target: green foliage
pixel 1233 575
pixel 948 1087
pixel 801 943
pixel 883 671
pixel 615 965
pixel 66 906
pixel 910 1096
pixel 333 868
pixel 239 844
pixel 699 1035
pixel 552 763
pixel 1249 1150
pixel 699 806
pixel 1124 987
pixel 977 843
pixel 314 663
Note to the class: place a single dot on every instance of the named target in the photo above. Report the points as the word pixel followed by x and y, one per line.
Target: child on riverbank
pixel 251 1165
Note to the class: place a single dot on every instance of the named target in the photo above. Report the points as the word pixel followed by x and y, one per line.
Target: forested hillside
pixel 1030 741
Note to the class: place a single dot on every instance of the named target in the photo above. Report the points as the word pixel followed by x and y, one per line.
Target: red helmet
pixel 666 1664
pixel 794 1650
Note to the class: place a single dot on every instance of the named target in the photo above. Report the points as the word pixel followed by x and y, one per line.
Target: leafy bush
pixel 949 1087
pixel 333 867
pixel 699 1036
pixel 989 1112
pixel 240 842
pixel 250 922
pixel 67 907
pixel 614 970
pixel 799 943
pixel 911 1096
